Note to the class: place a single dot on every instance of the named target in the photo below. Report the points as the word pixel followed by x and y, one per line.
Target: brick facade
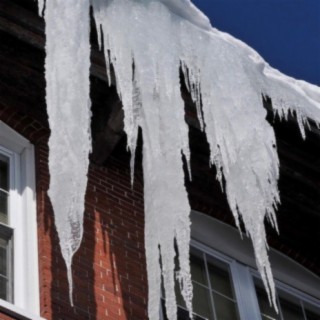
pixel 109 269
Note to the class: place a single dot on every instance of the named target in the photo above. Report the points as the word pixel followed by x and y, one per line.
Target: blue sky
pixel 286 33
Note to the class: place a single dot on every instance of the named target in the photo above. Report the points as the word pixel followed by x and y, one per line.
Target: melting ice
pixel 68 105
pixel 226 79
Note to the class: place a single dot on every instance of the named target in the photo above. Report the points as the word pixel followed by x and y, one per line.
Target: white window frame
pixel 242 278
pixel 23 221
pixel 302 297
pixel 222 242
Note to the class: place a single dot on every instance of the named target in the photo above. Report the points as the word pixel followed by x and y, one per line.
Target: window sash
pixel 6 275
pixel 243 282
pixel 22 219
pixel 202 278
pixel 6 230
pixel 292 304
pixel 4 207
pixel 4 188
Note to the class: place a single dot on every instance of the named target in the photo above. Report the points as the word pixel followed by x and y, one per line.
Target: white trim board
pixel 23 220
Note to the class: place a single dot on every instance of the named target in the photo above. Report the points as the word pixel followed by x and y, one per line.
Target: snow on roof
pixel 188 11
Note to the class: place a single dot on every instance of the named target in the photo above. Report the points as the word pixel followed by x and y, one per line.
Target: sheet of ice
pixel 68 106
pixel 226 78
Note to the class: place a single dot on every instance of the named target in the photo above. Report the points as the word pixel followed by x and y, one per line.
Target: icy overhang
pixel 226 80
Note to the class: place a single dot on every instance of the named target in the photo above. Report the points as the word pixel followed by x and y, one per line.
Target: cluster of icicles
pixel 227 81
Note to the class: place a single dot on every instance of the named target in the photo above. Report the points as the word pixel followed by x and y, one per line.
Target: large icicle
pixel 68 105
pixel 165 134
pixel 229 79
pixel 225 77
pixel 163 140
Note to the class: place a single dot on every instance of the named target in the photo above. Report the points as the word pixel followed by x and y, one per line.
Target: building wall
pixel 109 268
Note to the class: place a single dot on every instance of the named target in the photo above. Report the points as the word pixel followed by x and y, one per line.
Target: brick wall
pixel 109 268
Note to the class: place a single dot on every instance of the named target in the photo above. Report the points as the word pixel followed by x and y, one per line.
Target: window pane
pixel 198 271
pixel 225 308
pixel 3 207
pixel 267 312
pixel 4 173
pixel 290 310
pixel 182 314
pixel 312 316
pixel 201 301
pixel 312 312
pixel 4 188
pixel 3 258
pixel 4 289
pixel 6 284
pixel 220 279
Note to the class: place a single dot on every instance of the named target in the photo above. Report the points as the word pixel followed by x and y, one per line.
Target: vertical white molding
pixel 30 215
pixel 23 219
pixel 19 241
pixel 245 292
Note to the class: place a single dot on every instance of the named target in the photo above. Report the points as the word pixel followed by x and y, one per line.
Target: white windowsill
pixel 20 314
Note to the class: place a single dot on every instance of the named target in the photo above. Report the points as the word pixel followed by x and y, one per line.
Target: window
pixel 220 284
pixel 6 232
pixel 228 289
pixel 213 292
pixel 291 305
pixel 19 287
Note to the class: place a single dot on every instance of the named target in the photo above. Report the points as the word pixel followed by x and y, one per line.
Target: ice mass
pixel 227 81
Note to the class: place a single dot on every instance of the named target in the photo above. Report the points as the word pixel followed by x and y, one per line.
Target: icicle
pixel 153 102
pixel 226 79
pixel 136 109
pixel 68 106
pixel 41 4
